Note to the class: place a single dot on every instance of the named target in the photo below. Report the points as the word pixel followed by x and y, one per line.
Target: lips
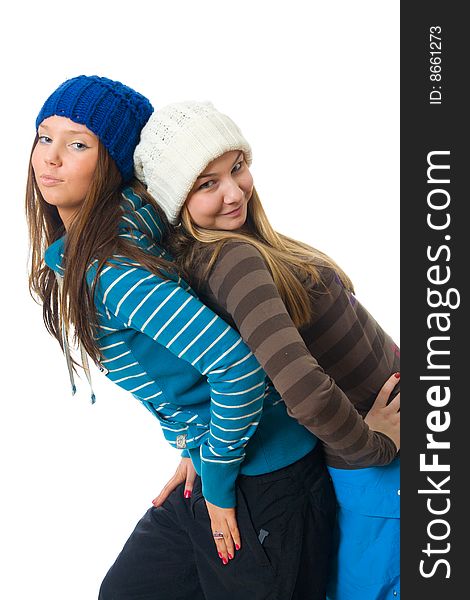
pixel 49 180
pixel 232 212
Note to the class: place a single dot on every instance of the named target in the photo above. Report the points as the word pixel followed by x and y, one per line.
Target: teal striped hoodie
pixel 189 368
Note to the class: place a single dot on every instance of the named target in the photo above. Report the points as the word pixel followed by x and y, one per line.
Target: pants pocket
pixel 249 535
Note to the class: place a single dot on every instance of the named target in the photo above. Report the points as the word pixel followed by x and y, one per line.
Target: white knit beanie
pixel 177 144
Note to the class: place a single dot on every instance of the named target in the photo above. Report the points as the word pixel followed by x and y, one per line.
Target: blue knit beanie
pixel 111 110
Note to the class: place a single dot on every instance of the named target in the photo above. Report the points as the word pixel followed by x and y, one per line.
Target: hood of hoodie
pixel 139 222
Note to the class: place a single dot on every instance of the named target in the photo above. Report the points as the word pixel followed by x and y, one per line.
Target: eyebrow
pixel 212 174
pixel 73 131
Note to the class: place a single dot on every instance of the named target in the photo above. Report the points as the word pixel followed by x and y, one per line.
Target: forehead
pixel 227 159
pixel 58 124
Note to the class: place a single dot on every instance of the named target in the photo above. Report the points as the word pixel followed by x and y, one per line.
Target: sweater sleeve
pixel 168 312
pixel 243 287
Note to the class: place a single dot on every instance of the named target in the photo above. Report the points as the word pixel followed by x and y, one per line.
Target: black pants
pixel 285 519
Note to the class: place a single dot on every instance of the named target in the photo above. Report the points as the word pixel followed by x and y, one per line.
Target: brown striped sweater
pixel 330 372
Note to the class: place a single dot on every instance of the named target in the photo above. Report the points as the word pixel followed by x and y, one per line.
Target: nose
pixel 51 155
pixel 233 194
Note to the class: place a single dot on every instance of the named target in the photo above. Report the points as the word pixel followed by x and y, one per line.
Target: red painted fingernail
pixel 397 375
pixel 187 493
pixel 224 560
pixel 237 547
pixel 230 556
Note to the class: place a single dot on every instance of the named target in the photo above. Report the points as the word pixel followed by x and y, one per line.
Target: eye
pixel 237 167
pixel 206 185
pixel 43 139
pixel 79 146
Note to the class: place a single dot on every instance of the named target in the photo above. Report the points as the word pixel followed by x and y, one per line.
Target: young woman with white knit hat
pixel 296 309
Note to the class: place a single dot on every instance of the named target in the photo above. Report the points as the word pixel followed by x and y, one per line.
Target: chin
pixel 50 199
pixel 234 226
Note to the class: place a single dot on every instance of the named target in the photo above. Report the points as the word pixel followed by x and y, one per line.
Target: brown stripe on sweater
pixel 250 301
pixel 285 354
pixel 387 365
pixel 323 323
pixel 234 275
pixel 346 344
pixel 343 323
pixel 316 418
pixel 232 254
pixel 242 284
pixel 346 362
pixel 328 416
pixel 358 446
pixel 363 370
pixel 378 347
pixel 348 432
pixel 382 454
pixel 274 324
pixel 267 310
pixel 272 344
pixel 322 403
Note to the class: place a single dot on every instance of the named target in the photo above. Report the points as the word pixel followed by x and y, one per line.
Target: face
pixel 219 198
pixel 64 161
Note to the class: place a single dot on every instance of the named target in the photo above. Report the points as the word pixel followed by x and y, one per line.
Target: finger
pixel 394 405
pixel 221 547
pixel 229 543
pixel 166 491
pixel 397 436
pixel 235 533
pixel 387 389
pixel 189 483
pixel 160 499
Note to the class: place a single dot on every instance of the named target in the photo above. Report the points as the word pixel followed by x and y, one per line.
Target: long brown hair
pixel 93 235
pixel 290 262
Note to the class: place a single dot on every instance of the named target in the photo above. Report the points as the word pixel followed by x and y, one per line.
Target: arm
pixel 166 311
pixel 243 287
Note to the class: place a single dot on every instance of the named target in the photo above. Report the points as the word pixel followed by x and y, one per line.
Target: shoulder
pixel 239 270
pixel 121 273
pixel 236 259
pixel 239 248
pixel 114 263
pixel 232 254
pixel 203 252
pixel 239 255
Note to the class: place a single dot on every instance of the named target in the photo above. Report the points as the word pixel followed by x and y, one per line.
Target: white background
pixel 314 87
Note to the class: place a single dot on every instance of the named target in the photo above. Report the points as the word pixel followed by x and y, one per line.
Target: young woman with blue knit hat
pixel 297 311
pixel 100 269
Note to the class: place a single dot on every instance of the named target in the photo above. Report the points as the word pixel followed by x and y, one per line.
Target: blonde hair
pixel 290 262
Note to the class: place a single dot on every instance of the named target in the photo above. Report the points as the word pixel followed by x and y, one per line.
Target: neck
pixel 67 216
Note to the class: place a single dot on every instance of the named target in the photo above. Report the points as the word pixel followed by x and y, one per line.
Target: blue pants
pixel 367 563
